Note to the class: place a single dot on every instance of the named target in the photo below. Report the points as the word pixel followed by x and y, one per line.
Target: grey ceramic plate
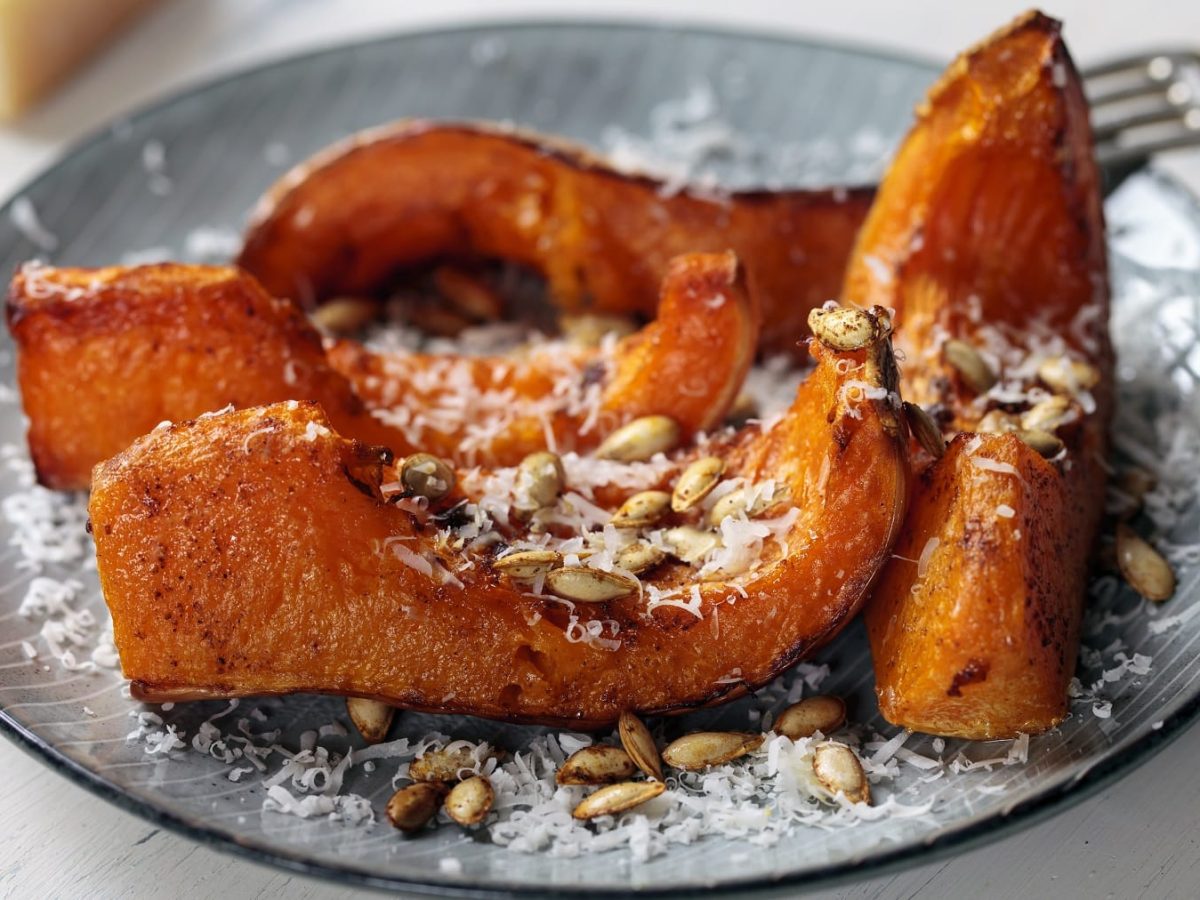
pixel 804 112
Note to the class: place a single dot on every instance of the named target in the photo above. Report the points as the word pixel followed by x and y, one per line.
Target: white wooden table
pixel 1137 838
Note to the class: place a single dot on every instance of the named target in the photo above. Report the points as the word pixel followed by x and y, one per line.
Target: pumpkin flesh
pixel 988 229
pixel 250 553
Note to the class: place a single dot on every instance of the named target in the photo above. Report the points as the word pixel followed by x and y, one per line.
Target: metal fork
pixel 1144 104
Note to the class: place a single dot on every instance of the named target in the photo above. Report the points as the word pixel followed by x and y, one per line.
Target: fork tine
pixel 1160 114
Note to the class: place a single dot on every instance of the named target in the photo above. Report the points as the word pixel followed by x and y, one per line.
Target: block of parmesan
pixel 44 41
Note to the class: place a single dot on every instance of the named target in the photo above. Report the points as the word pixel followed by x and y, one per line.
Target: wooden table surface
pixel 1138 838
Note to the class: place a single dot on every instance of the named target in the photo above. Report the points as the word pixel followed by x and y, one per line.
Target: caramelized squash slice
pixel 353 217
pixel 988 230
pixel 104 355
pixel 689 364
pixel 250 553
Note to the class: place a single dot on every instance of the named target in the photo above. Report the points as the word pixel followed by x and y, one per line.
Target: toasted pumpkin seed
pixel 1135 484
pixel 1143 567
pixel 639 744
pixel 370 717
pixel 709 748
pixel 469 295
pixel 590 330
pixel 345 315
pixel 844 328
pixel 689 543
pixel 1046 444
pixel 997 421
pixel 735 502
pixel 410 808
pixel 427 476
pixel 925 430
pixel 616 798
pixel 971 367
pixel 838 769
pixel 527 564
pixel 822 713
pixel 540 479
pixel 1068 376
pixel 642 510
pixel 443 765
pixel 584 585
pixel 596 765
pixel 696 482
pixel 469 801
pixel 1047 415
pixel 639 557
pixel 641 439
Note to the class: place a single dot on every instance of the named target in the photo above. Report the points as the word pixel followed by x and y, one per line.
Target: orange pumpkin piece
pixel 988 231
pixel 689 364
pixel 250 553
pixel 104 355
pixel 355 216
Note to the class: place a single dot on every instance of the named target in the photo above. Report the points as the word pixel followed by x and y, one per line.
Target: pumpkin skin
pixel 352 218
pixel 237 565
pixel 988 228
pixel 104 355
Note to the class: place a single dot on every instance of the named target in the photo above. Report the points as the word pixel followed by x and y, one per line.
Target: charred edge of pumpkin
pixel 1032 20
pixel 575 157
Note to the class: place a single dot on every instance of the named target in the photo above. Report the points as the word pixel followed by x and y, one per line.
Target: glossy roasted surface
pixel 354 217
pixel 247 553
pixel 988 229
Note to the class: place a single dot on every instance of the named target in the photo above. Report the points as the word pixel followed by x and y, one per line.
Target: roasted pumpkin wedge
pixel 104 355
pixel 689 363
pixel 256 552
pixel 353 217
pixel 987 238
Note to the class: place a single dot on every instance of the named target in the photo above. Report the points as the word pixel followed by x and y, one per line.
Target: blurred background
pixel 1136 837
pixel 162 45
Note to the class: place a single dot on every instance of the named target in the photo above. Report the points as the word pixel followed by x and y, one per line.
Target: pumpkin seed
pixel 971 367
pixel 444 765
pixel 469 802
pixel 735 503
pixel 370 717
pixel 540 479
pixel 997 421
pixel 639 744
pixel 616 798
pixel 590 330
pixel 596 765
pixel 427 476
pixel 844 328
pixel 689 543
pixel 696 482
pixel 709 748
pixel 345 315
pixel 744 408
pixel 804 719
pixel 1047 415
pixel 1135 484
pixel 642 510
pixel 1068 376
pixel 527 564
pixel 467 294
pixel 641 439
pixel 586 585
pixel 925 430
pixel 839 771
pixel 639 557
pixel 412 807
pixel 1143 567
pixel 1046 444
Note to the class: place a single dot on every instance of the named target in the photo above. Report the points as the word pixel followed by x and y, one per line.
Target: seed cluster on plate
pixel 448 779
